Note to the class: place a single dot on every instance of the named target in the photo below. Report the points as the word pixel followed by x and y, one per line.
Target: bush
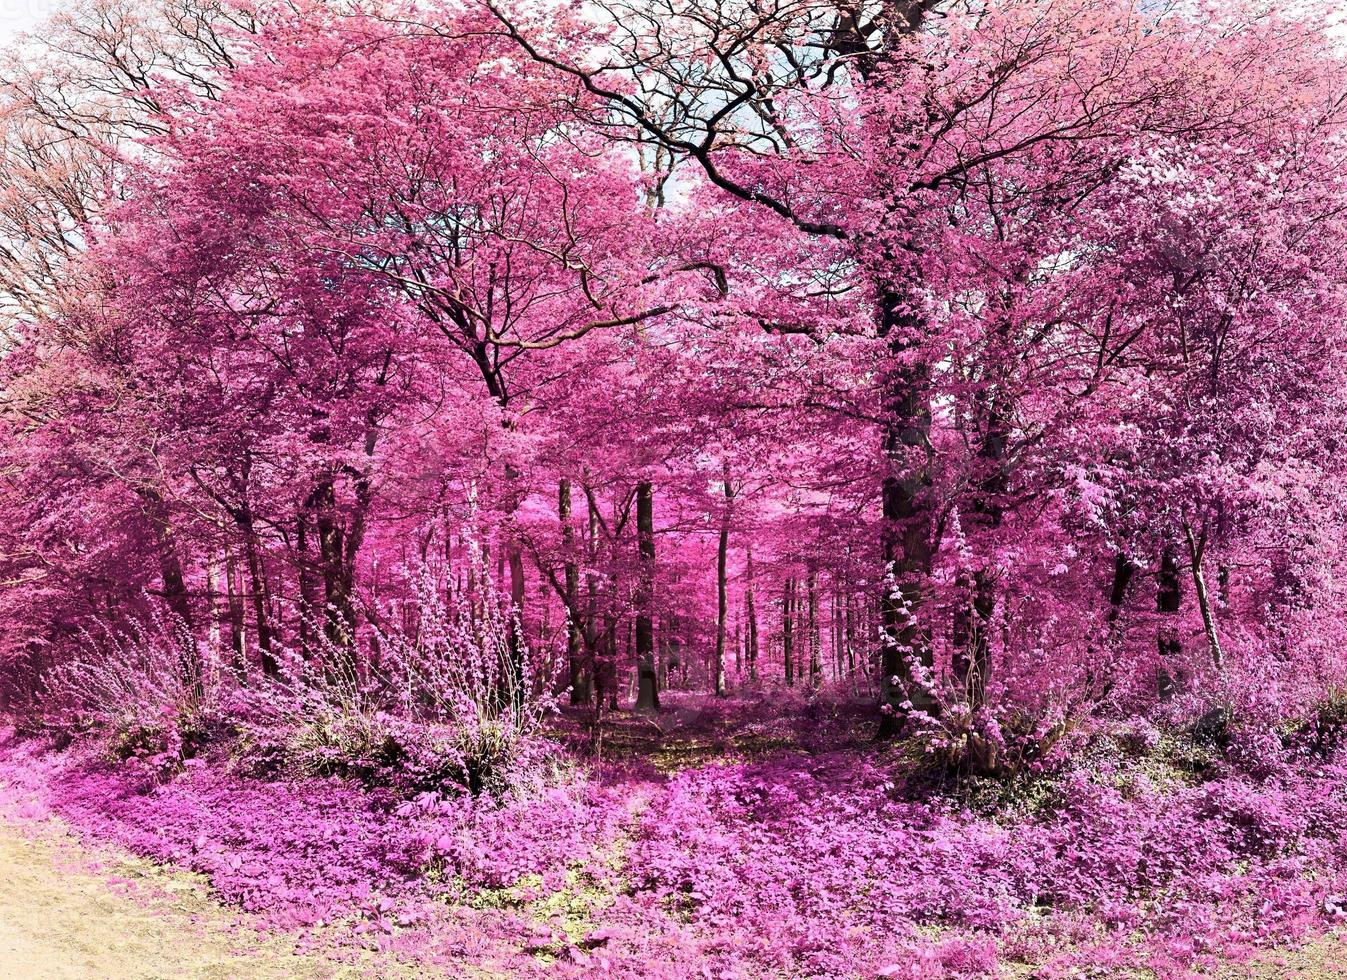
pixel 447 697
pixel 962 744
pixel 459 667
pixel 150 690
pixel 1323 733
pixel 454 702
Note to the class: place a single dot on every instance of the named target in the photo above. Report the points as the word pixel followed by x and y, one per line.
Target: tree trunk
pixel 647 695
pixel 174 587
pixel 1197 546
pixel 722 604
pixel 1123 571
pixel 257 587
pixel 237 638
pixel 1168 600
pixel 309 600
pixel 788 631
pixel 339 617
pixel 815 639
pixel 907 545
pixel 579 676
pixel 174 583
pixel 752 614
pixel 213 618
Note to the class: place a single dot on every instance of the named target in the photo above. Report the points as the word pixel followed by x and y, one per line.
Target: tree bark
pixel 722 591
pixel 752 614
pixel 1168 600
pixel 236 614
pixel 647 694
pixel 309 600
pixel 174 587
pixel 1123 571
pixel 815 639
pixel 1197 546
pixel 579 676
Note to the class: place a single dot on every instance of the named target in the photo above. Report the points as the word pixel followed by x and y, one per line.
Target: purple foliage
pixel 802 865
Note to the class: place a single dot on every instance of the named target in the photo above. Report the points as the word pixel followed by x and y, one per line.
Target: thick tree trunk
pixel 1123 571
pixel 174 583
pixel 907 545
pixel 647 694
pixel 788 631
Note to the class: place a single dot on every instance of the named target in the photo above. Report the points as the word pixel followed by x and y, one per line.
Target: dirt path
pixel 67 913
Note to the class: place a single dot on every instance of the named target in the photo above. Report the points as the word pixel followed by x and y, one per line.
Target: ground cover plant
pixel 731 489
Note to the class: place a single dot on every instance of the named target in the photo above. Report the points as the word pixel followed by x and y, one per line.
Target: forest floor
pixel 71 910
pixel 763 843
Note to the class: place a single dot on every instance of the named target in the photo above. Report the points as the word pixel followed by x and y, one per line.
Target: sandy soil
pixel 67 912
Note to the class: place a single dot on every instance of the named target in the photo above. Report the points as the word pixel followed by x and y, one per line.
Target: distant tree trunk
pixel 1197 546
pixel 174 585
pixel 1123 571
pixel 1168 600
pixel 579 677
pixel 213 617
pixel 647 695
pixel 308 587
pixel 738 645
pixel 609 660
pixel 722 605
pixel 602 669
pixel 815 638
pixel 514 557
pixel 752 614
pixel 339 615
pixel 972 635
pixel 259 594
pixel 788 630
pixel 835 631
pixel 849 628
pixel 234 592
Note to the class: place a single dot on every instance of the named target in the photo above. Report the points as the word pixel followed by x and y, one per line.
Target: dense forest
pixel 714 487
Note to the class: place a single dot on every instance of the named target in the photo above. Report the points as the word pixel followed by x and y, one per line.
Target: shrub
pixel 150 690
pixel 458 665
pixel 453 702
pixel 1323 733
